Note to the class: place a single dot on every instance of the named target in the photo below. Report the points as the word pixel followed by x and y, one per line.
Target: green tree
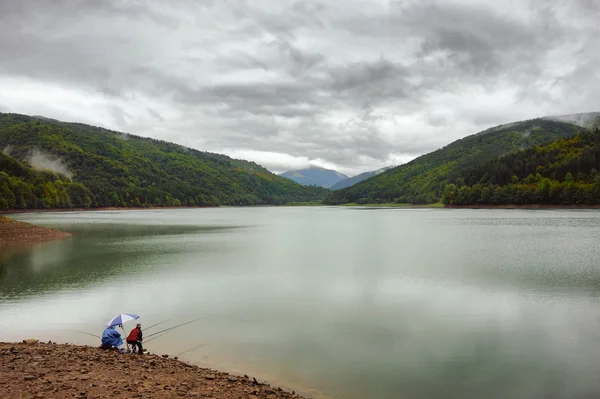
pixel 569 177
pixel 449 196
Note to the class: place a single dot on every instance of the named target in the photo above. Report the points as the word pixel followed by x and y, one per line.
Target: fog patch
pixel 8 150
pixel 588 119
pixel 42 161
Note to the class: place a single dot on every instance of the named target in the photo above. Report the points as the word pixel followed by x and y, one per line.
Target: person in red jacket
pixel 135 339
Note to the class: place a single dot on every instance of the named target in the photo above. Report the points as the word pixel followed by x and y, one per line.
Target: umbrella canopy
pixel 121 318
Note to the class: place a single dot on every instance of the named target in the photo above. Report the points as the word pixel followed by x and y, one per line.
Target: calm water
pixel 353 303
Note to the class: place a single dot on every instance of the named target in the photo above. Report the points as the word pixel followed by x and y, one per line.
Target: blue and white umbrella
pixel 121 318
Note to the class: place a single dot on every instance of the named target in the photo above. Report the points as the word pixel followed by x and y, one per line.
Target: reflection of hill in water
pixel 117 230
pixel 96 253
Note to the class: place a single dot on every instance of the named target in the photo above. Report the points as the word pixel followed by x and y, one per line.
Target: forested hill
pixel 22 187
pixel 422 180
pixel 117 169
pixel 559 173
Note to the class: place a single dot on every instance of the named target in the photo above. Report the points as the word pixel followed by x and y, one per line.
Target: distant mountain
pixel 315 176
pixel 358 178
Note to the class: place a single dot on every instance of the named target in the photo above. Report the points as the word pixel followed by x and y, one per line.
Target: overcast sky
pixel 353 85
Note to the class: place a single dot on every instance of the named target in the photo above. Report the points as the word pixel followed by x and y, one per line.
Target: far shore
pixel 313 204
pixel 527 206
pixel 147 208
pixel 108 208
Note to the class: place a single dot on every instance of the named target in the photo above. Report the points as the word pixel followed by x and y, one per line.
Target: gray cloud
pixel 352 85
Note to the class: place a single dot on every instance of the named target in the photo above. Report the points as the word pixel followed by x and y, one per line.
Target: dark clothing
pixel 137 344
pixel 135 340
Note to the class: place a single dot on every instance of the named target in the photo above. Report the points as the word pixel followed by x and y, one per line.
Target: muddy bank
pixel 529 206
pixel 48 370
pixel 13 232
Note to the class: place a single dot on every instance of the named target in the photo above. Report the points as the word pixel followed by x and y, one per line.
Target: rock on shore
pixel 13 232
pixel 38 370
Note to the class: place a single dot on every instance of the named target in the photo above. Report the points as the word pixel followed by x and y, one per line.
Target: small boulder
pixel 31 341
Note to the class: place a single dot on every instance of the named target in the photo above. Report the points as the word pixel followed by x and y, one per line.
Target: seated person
pixel 111 339
pixel 135 339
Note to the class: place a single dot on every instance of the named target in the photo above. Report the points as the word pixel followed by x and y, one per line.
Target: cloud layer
pixel 352 85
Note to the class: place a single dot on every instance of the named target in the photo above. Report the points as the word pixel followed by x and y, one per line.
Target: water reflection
pixel 379 304
pixel 94 253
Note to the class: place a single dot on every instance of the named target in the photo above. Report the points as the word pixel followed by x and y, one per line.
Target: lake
pixel 335 302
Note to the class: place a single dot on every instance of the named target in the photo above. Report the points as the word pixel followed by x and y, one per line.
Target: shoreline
pixel 303 205
pixel 131 208
pixel 15 233
pixel 52 370
pixel 525 206
pixel 109 208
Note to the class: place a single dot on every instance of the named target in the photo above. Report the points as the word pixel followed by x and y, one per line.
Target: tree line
pixel 563 172
pixel 111 169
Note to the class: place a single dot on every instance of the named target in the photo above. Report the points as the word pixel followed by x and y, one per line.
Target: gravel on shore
pixel 13 232
pixel 32 369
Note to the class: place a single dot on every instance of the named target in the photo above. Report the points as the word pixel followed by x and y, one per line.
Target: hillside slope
pixel 358 178
pixel 422 180
pixel 125 170
pixel 315 176
pixel 22 187
pixel 562 172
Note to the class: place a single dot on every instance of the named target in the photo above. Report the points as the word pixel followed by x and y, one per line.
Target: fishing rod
pixel 189 350
pixel 155 337
pixel 154 325
pixel 97 336
pixel 87 333
pixel 177 326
